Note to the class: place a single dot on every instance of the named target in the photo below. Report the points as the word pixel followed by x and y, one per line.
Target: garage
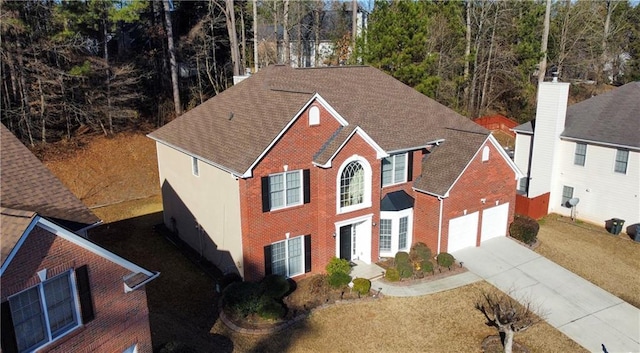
pixel 494 222
pixel 463 232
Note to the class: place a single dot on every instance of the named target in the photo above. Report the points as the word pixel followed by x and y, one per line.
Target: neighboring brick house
pixel 61 292
pixel 589 151
pixel 294 166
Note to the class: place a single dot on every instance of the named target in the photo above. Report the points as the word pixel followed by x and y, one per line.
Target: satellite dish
pixel 574 201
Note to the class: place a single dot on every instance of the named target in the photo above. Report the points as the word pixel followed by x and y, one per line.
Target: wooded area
pixel 100 66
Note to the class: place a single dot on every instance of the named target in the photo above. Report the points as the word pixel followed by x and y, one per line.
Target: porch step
pixel 359 269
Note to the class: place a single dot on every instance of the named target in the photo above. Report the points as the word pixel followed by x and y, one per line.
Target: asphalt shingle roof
pixel 232 129
pixel 13 223
pixel 26 184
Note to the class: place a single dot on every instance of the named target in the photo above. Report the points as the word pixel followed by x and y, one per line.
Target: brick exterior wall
pixel 121 319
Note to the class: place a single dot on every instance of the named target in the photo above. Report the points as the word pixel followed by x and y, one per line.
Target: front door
pixel 345 242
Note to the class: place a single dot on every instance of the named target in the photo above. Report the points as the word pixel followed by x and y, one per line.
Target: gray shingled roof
pixel 612 117
pixel 393 114
pixel 26 184
pixel 447 161
pixel 13 223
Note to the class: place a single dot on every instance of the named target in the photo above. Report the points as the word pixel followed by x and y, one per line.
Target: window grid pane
pixel 59 301
pixel 276 190
pixel 352 185
pixel 387 171
pixel 28 318
pixel 622 158
pixel 385 235
pixel 580 155
pixel 278 258
pixel 399 167
pixel 293 188
pixel 567 194
pixel 402 238
pixel 295 256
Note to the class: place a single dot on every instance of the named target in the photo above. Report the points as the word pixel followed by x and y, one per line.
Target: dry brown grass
pixel 609 261
pixel 442 322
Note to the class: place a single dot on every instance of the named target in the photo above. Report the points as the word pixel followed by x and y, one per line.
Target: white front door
pixel 353 239
pixel 494 222
pixel 463 232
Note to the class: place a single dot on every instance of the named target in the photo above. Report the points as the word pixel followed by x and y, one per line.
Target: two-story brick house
pixel 59 291
pixel 291 167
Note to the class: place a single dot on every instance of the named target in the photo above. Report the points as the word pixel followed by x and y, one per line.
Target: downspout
pixel 440 224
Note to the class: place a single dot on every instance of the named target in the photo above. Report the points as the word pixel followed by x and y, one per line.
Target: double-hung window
pixel 44 312
pixel 580 154
pixel 394 169
pixel 385 235
pixel 285 189
pixel 622 159
pixel 195 168
pixel 567 194
pixel 287 257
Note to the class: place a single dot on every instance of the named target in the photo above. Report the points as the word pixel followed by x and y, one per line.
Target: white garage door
pixel 463 232
pixel 494 222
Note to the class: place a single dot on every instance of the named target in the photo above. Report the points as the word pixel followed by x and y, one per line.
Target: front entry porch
pixel 360 269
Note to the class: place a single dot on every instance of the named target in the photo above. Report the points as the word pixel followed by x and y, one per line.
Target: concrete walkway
pixel 425 288
pixel 581 310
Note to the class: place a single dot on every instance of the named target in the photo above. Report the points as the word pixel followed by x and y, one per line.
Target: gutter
pixel 128 289
pixel 430 143
pixel 440 223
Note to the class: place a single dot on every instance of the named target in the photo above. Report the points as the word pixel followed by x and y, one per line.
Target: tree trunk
pixel 172 59
pixel 42 116
pixel 487 72
pixel 605 39
pixel 563 38
pixel 285 34
pixel 255 36
pixel 299 33
pixel 243 42
pixel 542 70
pixel 354 24
pixel 508 340
pixel 233 36
pixel 107 72
pixel 316 32
pixel 467 50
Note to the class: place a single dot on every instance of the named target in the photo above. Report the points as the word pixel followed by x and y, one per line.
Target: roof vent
pixel 230 115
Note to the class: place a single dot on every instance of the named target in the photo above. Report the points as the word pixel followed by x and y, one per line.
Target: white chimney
pixel 548 125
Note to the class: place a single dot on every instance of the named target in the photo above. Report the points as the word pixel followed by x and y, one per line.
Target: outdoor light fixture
pixel 334 235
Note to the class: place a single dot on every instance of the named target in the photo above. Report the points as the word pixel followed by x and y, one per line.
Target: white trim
pixel 393 169
pixel 525 132
pixel 316 97
pixel 286 254
pixel 182 150
pixel 337 225
pixel 380 153
pixel 440 224
pixel 195 167
pixel 394 217
pixel 284 190
pixel 429 144
pixel 606 144
pixel 19 243
pixel 368 179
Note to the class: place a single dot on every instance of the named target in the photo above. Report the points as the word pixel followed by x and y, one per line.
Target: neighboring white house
pixel 589 151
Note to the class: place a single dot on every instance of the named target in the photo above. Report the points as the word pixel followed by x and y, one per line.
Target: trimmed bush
pixel 229 278
pixel 339 279
pixel 402 257
pixel 271 309
pixel 445 259
pixel 524 229
pixel 426 266
pixel 361 285
pixel 420 252
pixel 405 270
pixel 274 286
pixel 392 275
pixel 338 265
pixel 242 298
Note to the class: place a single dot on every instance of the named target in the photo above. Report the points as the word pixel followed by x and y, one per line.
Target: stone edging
pixel 286 324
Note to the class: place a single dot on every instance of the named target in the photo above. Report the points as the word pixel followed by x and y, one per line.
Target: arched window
pixel 485 153
pixel 314 115
pixel 352 185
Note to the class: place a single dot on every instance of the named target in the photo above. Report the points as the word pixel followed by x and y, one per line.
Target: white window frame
pixel 286 256
pixel 314 115
pixel 485 153
pixel 618 160
pixel 366 197
pixel 195 167
pixel 49 338
pixel 395 217
pixel 392 159
pixel 285 191
pixel 565 200
pixel 580 154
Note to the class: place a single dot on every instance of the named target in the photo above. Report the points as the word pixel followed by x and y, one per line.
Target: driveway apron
pixel 586 313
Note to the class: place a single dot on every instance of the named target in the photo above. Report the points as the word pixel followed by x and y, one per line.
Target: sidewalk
pixel 425 288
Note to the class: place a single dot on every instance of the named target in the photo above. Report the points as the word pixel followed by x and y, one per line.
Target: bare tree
pixel 542 69
pixel 285 34
pixel 172 59
pixel 506 315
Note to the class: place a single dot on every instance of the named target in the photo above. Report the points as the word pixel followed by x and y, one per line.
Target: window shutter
pixel 307 253
pixel 9 343
pixel 410 166
pixel 306 179
pixel 266 207
pixel 84 292
pixel 267 260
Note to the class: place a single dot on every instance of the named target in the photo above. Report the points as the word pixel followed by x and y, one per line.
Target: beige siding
pixel 206 214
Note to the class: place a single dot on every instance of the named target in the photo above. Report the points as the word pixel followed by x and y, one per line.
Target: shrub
pixel 405 270
pixel 524 229
pixel 362 285
pixel 426 266
pixel 338 265
pixel 176 347
pixel 319 284
pixel 402 257
pixel 445 259
pixel 229 278
pixel 271 309
pixel 242 298
pixel 339 279
pixel 420 252
pixel 392 275
pixel 274 286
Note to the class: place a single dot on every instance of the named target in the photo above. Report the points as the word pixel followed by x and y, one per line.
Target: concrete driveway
pixel 581 310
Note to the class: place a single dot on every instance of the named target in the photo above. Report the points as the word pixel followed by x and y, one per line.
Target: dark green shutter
pixel 266 203
pixel 9 343
pixel 267 260
pixel 306 180
pixel 84 292
pixel 307 253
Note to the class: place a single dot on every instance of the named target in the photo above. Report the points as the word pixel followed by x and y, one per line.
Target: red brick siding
pixel 492 180
pixel 426 213
pixel 121 319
